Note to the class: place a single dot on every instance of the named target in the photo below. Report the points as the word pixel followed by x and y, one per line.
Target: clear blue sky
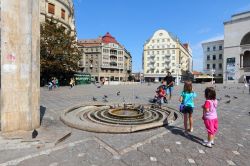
pixel 132 22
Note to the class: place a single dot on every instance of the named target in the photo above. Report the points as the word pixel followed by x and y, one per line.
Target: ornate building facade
pixel 164 53
pixel 105 58
pixel 61 10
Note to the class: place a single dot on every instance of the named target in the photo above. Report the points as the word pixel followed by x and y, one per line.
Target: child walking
pixel 187 99
pixel 210 116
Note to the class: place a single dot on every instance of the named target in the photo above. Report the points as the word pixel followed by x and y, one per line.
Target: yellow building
pixel 164 53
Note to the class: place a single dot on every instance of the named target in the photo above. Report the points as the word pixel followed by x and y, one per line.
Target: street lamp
pixel 177 71
pixel 212 71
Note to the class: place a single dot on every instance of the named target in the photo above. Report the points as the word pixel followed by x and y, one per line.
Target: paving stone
pixel 230 140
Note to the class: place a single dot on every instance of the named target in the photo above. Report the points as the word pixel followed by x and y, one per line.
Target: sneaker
pixel 208 144
pixel 191 130
pixel 206 141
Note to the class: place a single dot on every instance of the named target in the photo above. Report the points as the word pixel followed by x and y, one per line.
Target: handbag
pixel 182 105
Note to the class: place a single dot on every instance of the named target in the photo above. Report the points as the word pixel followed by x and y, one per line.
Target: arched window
pixel 246 39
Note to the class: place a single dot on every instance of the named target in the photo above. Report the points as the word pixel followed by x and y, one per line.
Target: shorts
pixel 211 125
pixel 169 90
pixel 188 109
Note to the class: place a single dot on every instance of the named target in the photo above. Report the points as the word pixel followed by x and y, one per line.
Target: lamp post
pixel 212 71
pixel 177 71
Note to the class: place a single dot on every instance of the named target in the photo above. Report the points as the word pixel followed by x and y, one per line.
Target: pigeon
pixel 105 100
pixel 141 109
pixel 94 99
pixel 34 134
pixel 136 97
pixel 99 86
pixel 227 96
pixel 235 97
pixel 219 99
pixel 227 102
pixel 118 93
pixel 105 96
pixel 224 87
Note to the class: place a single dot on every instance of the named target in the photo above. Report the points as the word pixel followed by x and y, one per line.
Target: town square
pixel 106 83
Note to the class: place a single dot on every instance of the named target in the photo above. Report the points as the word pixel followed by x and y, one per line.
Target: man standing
pixel 169 85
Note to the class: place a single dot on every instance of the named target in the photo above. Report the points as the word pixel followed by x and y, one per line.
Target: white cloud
pixel 204 30
pixel 217 37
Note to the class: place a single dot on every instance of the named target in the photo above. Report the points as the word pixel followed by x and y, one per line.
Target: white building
pixel 162 53
pixel 213 59
pixel 237 48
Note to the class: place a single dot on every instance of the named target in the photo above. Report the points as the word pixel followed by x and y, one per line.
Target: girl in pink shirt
pixel 210 116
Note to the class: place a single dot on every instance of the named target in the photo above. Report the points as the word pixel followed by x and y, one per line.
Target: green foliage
pixel 59 52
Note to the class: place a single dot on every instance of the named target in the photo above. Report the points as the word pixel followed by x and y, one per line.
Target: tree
pixel 59 52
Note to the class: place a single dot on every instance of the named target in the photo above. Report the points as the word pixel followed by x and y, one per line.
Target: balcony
pixel 167 60
pixel 81 63
pixel 152 56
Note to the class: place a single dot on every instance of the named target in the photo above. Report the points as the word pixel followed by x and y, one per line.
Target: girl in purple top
pixel 210 116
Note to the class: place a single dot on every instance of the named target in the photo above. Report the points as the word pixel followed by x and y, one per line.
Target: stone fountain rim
pixel 93 127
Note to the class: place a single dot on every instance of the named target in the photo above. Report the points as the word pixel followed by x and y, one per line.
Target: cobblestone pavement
pixel 157 147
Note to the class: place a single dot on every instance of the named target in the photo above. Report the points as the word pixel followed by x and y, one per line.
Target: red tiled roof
pixel 107 38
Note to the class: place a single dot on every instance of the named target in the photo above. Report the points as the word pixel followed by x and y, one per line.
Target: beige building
pixel 237 48
pixel 213 59
pixel 163 52
pixel 61 10
pixel 105 58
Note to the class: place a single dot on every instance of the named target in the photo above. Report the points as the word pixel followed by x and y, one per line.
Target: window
pixel 208 49
pixel 220 56
pixel 220 65
pixel 63 14
pixel 214 57
pixel 214 48
pixel 208 57
pixel 173 58
pixel 163 40
pixel 173 64
pixel 214 66
pixel 157 64
pixel 220 47
pixel 51 8
pixel 162 58
pixel 208 66
pixel 158 41
pixel 157 58
pixel 153 41
pixel 173 51
pixel 173 46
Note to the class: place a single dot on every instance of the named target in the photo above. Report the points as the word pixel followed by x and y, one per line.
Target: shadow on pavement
pixel 179 131
pixel 42 113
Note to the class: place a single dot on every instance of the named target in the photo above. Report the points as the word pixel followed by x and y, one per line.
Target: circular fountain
pixel 118 119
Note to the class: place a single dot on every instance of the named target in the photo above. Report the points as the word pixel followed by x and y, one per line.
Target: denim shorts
pixel 188 109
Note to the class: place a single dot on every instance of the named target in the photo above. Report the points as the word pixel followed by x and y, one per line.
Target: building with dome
pixel 237 48
pixel 105 58
pixel 61 10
